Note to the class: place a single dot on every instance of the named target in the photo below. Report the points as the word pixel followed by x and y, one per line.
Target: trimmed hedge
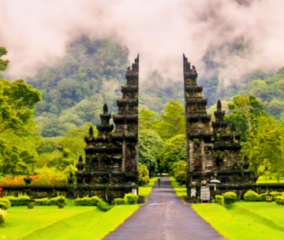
pixel 3 215
pixel 87 201
pixel 219 199
pixel 279 200
pixel 104 206
pixel 130 198
pixel 4 203
pixel 251 196
pixel 41 202
pixel 54 201
pixel 119 201
pixel 18 201
pixel 230 197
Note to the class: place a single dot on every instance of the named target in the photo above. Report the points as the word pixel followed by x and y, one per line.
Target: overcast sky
pixel 36 32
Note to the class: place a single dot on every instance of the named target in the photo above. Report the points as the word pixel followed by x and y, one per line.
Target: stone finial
pixel 105 108
pixel 219 105
pixel 91 131
pixel 80 159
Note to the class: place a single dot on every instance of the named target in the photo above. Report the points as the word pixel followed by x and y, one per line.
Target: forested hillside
pixel 91 74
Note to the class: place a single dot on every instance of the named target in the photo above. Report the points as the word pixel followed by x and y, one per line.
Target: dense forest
pixel 47 116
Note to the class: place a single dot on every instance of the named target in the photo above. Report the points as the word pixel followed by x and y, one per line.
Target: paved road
pixel 165 217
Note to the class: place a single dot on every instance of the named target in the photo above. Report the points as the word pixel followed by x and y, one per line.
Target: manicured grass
pixel 263 180
pixel 144 191
pixel 180 189
pixel 245 220
pixel 47 222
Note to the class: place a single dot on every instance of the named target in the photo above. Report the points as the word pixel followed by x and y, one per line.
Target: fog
pixel 36 33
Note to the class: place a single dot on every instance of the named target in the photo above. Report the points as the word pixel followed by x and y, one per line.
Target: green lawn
pixel 245 220
pixel 48 222
pixel 144 191
pixel 180 189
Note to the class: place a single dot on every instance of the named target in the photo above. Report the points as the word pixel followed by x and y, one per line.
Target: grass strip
pixel 239 223
pixel 93 224
pixel 180 189
pixel 144 191
pixel 22 221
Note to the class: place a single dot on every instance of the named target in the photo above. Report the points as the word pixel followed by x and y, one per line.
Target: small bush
pixel 275 194
pixel 262 196
pixel 251 196
pixel 18 201
pixel 3 215
pixel 54 201
pixel 4 203
pixel 230 197
pixel 119 201
pixel 104 206
pixel 219 199
pixel 279 200
pixel 130 198
pixel 41 202
pixel 87 201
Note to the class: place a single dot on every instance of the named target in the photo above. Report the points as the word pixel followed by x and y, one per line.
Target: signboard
pixel 134 191
pixel 205 194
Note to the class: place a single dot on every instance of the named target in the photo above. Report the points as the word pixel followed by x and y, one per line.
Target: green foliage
pixel 55 201
pixel 143 174
pixel 173 121
pixel 244 109
pixel 148 119
pixel 230 197
pixel 5 203
pixel 130 198
pixel 18 201
pixel 119 201
pixel 3 63
pixel 279 200
pixel 3 215
pixel 41 202
pixel 91 72
pixel 251 196
pixel 104 206
pixel 179 171
pixel 150 144
pixel 219 199
pixel 173 151
pixel 87 201
pixel 18 137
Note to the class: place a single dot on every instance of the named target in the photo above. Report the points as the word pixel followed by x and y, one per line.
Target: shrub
pixel 230 197
pixel 4 203
pixel 119 201
pixel 130 198
pixel 251 196
pixel 87 201
pixel 219 199
pixel 41 202
pixel 54 201
pixel 262 196
pixel 279 200
pixel 19 201
pixel 3 215
pixel 275 194
pixel 104 206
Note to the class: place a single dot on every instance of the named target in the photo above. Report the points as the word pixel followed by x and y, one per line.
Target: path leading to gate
pixel 164 217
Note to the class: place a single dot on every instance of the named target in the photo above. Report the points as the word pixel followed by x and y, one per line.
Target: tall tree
pixel 173 120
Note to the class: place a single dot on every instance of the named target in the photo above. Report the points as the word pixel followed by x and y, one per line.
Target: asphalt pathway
pixel 164 217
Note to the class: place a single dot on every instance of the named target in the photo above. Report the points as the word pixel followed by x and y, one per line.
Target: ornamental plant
pixel 230 197
pixel 1 190
pixel 251 196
